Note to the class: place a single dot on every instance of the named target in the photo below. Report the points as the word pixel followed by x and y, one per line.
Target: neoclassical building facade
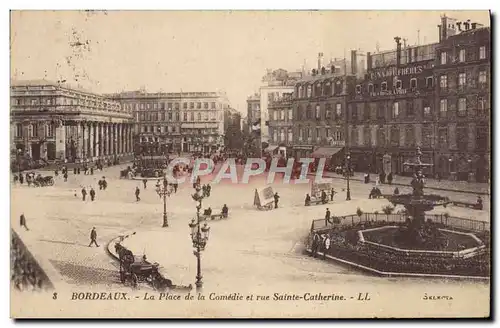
pixel 52 121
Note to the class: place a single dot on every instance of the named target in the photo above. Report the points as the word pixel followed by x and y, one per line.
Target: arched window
pixel 327 88
pixel 319 90
pixel 309 91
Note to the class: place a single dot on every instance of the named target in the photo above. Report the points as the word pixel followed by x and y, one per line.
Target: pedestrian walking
pixel 92 170
pixel 328 216
pixel 104 183
pixel 93 237
pixel 276 200
pixel 84 193
pixel 176 185
pixel 21 178
pixel 324 197
pixel 145 182
pixel 137 193
pixel 75 170
pixel 65 176
pixel 22 221
pixel 92 194
pixel 332 192
pixel 209 189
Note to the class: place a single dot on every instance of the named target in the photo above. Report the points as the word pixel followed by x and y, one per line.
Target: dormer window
pixel 358 89
pixel 413 84
pixel 429 82
pixel 383 86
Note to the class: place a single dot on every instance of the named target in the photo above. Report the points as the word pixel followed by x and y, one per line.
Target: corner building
pixel 52 121
pixel 463 100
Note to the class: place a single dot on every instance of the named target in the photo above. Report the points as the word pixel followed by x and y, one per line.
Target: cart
pixel 134 270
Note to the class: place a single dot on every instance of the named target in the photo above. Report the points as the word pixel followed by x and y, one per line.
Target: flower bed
pixel 344 245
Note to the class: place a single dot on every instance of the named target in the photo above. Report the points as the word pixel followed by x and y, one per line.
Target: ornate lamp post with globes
pixel 199 236
pixel 164 191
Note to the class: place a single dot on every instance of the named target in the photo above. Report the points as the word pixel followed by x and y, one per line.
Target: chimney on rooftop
pixel 320 61
pixel 398 50
pixel 354 62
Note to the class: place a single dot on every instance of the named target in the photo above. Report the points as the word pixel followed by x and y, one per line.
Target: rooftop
pixel 41 82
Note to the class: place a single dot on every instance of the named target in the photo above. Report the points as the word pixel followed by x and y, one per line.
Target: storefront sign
pixel 388 93
pixel 394 71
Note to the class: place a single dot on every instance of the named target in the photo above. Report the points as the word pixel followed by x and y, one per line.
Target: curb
pixel 427 187
pixel 398 274
pixel 113 241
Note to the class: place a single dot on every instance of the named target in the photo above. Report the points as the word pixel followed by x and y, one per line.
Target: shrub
pixel 359 212
pixel 388 209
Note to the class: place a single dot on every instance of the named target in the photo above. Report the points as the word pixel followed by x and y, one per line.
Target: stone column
pixel 125 138
pixel 79 140
pixel 60 131
pixel 97 139
pixel 108 139
pixel 91 140
pixel 129 134
pixel 85 131
pixel 114 140
pixel 120 139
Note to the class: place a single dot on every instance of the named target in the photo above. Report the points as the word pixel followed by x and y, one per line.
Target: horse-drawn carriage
pixel 40 181
pixel 134 270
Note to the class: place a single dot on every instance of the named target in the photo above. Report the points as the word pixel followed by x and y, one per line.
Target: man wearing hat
pixel 93 237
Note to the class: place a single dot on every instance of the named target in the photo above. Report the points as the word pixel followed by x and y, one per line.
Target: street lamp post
pixel 348 169
pixel 164 191
pixel 199 237
pixel 19 151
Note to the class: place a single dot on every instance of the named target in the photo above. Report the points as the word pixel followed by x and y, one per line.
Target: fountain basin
pixel 459 244
pixel 424 202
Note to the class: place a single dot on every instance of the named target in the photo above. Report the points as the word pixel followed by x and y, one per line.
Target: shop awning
pixel 326 152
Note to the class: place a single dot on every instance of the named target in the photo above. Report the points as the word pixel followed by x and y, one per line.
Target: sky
pixel 227 51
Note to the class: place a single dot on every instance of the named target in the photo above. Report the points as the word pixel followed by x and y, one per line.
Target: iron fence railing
pixel 449 221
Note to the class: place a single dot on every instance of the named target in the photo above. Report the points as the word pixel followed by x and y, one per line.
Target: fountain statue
pixel 417 232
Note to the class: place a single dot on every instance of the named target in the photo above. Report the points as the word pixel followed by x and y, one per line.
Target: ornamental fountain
pixel 418 232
